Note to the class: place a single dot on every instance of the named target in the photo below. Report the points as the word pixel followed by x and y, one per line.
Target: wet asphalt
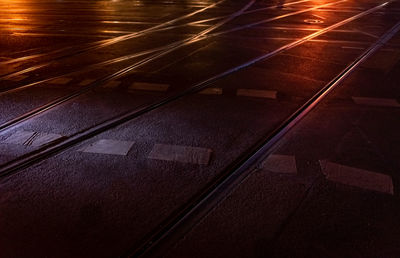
pixel 216 78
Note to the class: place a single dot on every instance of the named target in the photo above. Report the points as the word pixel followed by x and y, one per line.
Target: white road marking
pixel 30 138
pixel 358 48
pixel 184 154
pixel 211 91
pixel 379 102
pixel 313 21
pixel 357 177
pixel 17 78
pixel 111 84
pixel 149 86
pixel 111 147
pixel 61 80
pixel 269 94
pixel 280 164
pixel 86 82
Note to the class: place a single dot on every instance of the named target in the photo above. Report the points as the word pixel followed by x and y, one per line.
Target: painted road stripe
pixel 211 91
pixel 357 48
pixel 29 138
pixel 111 84
pixel 357 177
pixel 111 147
pixel 269 94
pixel 280 164
pixel 61 80
pixel 17 78
pixel 149 86
pixel 86 82
pixel 313 21
pixel 184 154
pixel 379 102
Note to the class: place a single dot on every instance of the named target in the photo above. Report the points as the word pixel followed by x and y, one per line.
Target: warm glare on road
pixel 179 128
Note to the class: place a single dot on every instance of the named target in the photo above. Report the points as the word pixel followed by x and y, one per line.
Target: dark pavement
pixel 176 128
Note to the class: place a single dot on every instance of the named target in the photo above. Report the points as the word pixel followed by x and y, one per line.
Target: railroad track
pixel 117 40
pixel 43 153
pixel 198 206
pixel 170 48
pixel 156 53
pixel 70 51
pixel 75 50
pixel 175 227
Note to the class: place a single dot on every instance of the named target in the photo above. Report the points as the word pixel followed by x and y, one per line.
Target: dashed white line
pixel 17 78
pixel 313 21
pixel 211 91
pixel 280 164
pixel 269 94
pixel 378 102
pixel 144 86
pixel 111 84
pixel 357 177
pixel 86 82
pixel 357 48
pixel 107 146
pixel 61 80
pixel 184 154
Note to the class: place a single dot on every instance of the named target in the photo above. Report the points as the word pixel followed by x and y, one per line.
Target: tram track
pixel 175 227
pixel 107 42
pixel 188 214
pixel 49 150
pixel 122 72
pixel 118 39
pixel 157 53
pixel 98 44
pixel 154 50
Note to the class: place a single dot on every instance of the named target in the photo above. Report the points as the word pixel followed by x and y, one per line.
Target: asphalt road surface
pixel 246 128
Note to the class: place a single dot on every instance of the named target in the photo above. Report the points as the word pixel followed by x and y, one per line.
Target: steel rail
pixel 131 56
pixel 47 151
pixel 123 58
pixel 107 42
pixel 118 74
pixel 127 57
pixel 243 167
